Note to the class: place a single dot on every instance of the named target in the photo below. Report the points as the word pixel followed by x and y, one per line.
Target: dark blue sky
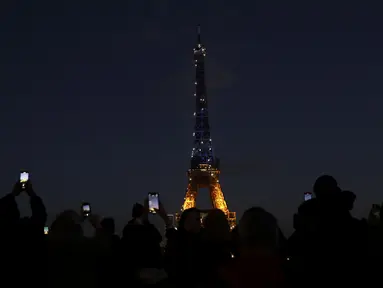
pixel 97 101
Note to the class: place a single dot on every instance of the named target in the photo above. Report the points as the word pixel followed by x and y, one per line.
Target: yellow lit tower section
pixel 204 166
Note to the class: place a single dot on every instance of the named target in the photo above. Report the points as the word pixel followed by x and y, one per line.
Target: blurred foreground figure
pixel 258 263
pixel 183 251
pixel 327 239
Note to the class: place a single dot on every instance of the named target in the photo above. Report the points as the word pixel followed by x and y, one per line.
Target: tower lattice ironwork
pixel 204 166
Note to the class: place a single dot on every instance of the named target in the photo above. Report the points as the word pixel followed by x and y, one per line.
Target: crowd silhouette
pixel 328 247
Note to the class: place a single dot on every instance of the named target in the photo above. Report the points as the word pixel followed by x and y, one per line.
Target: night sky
pixel 96 101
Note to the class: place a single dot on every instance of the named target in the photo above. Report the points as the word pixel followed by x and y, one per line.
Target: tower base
pixel 231 218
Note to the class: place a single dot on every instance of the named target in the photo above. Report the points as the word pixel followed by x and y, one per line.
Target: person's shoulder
pixel 361 224
pixel 308 206
pixel 130 222
pixel 150 227
pixel 128 227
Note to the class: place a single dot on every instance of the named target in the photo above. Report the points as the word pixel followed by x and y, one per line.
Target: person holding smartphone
pixel 141 239
pixel 39 214
pixel 10 211
pixel 22 237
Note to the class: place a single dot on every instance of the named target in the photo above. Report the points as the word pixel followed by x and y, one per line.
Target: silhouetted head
pixel 258 229
pixel 216 225
pixel 108 225
pixel 66 226
pixel 190 220
pixel 325 186
pixel 138 210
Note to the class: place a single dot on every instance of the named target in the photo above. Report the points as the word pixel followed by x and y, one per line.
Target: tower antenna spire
pixel 199 34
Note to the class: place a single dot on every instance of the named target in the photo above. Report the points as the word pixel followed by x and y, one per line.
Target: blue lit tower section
pixel 202 152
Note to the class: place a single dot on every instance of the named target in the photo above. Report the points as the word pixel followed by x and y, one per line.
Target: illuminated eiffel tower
pixel 204 166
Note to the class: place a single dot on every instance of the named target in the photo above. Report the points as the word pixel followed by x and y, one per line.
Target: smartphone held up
pixel 308 196
pixel 24 178
pixel 85 209
pixel 154 202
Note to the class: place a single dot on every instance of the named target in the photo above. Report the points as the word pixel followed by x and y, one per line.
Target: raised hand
pixel 17 189
pixel 95 220
pixel 20 187
pixel 161 211
pixel 29 189
pixel 146 206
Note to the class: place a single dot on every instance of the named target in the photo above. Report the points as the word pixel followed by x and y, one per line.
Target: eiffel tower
pixel 204 166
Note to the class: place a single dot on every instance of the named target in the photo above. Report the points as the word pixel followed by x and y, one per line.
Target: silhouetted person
pixel 375 246
pixel 325 187
pixel 141 242
pixel 259 263
pixel 327 233
pixel 138 214
pixel 235 241
pixel 184 250
pixel 108 229
pixel 22 239
pixel 190 221
pixel 71 258
pixel 216 248
pixel 10 216
pixel 108 226
pixel 303 243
